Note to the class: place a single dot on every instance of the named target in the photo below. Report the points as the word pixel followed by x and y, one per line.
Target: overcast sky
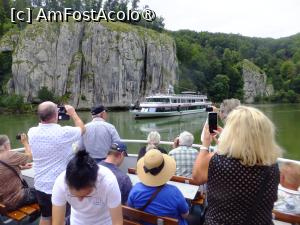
pixel 255 18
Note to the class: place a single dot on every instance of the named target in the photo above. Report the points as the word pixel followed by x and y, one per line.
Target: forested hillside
pixel 211 61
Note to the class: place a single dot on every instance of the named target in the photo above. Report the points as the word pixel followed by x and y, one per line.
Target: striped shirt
pixel 185 158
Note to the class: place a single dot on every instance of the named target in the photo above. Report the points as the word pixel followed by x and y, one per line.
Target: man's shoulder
pixel 115 169
pixel 94 123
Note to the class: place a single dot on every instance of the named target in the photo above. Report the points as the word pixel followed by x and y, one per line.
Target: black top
pixel 232 190
pixel 142 151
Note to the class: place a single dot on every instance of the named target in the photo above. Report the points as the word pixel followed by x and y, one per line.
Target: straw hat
pixel 155 168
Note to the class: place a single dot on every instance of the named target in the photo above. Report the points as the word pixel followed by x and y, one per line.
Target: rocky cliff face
pixel 90 63
pixel 255 82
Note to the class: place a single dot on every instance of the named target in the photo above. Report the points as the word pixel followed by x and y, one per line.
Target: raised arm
pixel 200 169
pixel 24 141
pixel 77 121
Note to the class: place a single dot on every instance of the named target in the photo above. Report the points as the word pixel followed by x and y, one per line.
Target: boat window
pixel 160 109
pixel 151 109
pixel 174 100
pixel 164 100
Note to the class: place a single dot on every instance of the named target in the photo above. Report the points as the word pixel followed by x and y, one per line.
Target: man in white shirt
pixel 99 135
pixel 51 146
pixel 288 189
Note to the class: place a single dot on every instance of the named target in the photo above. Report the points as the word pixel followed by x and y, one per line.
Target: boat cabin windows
pixel 148 109
pixel 162 100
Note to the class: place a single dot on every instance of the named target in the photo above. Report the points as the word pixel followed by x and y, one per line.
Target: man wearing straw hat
pixel 152 194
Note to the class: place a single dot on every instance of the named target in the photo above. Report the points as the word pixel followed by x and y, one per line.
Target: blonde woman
pixel 153 140
pixel 242 176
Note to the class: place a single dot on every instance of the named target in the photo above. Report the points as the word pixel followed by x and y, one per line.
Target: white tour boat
pixel 162 105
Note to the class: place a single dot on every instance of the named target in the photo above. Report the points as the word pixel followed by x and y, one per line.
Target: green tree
pixel 135 4
pixel 219 88
pixel 288 69
pixel 295 84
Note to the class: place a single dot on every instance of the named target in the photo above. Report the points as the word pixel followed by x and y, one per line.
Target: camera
pixel 62 113
pixel 18 136
pixel 209 109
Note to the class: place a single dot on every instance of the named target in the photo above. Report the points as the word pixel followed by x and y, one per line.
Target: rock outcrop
pixel 90 63
pixel 255 82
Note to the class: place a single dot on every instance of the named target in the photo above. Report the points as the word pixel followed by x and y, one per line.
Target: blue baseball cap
pixel 120 147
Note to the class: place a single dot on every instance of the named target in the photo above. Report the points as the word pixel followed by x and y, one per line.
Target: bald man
pixel 51 146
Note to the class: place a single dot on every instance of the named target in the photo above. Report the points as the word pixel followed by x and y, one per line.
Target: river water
pixel 286 118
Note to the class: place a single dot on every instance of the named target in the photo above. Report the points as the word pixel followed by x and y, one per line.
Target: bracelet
pixel 204 148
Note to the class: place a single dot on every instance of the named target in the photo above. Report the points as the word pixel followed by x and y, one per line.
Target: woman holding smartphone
pixel 242 176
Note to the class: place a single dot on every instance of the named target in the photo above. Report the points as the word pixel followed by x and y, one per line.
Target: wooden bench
pixel 128 222
pixel 288 218
pixel 21 213
pixel 138 217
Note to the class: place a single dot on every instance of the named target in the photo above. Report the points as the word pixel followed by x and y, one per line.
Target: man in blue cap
pixel 114 159
pixel 99 134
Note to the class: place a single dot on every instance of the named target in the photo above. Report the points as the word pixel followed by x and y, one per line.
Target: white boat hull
pixel 139 114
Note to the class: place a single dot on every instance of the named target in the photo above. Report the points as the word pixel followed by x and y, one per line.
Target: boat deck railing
pixel 169 143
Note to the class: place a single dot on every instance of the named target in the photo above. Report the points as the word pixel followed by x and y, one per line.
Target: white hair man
pixel 51 146
pixel 184 155
pixel 99 135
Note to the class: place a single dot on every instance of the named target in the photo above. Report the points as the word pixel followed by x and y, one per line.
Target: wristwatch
pixel 203 148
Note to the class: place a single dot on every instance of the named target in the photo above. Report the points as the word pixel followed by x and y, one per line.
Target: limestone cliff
pixel 255 82
pixel 90 63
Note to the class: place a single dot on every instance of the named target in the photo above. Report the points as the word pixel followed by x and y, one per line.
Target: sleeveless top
pixel 232 190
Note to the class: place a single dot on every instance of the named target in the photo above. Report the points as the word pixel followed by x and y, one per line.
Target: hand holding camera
pixel 62 113
pixel 23 138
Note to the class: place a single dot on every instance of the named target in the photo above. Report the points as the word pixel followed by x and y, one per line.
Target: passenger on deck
pixel 184 155
pixel 155 170
pixel 99 135
pixel 91 190
pixel 114 159
pixel 288 189
pixel 242 176
pixel 13 194
pixel 153 140
pixel 225 108
pixel 51 146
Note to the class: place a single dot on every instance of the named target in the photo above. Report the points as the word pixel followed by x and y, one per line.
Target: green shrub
pixel 45 95
pixel 13 103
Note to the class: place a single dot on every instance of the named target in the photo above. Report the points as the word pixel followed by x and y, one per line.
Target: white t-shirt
pixel 51 146
pixel 92 210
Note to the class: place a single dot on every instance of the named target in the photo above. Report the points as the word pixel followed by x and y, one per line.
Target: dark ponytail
pixel 82 171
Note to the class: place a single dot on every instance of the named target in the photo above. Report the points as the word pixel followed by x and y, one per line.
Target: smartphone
pixel 212 121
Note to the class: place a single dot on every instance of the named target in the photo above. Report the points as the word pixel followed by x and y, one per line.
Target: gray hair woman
pixel 153 140
pixel 242 176
pixel 227 106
